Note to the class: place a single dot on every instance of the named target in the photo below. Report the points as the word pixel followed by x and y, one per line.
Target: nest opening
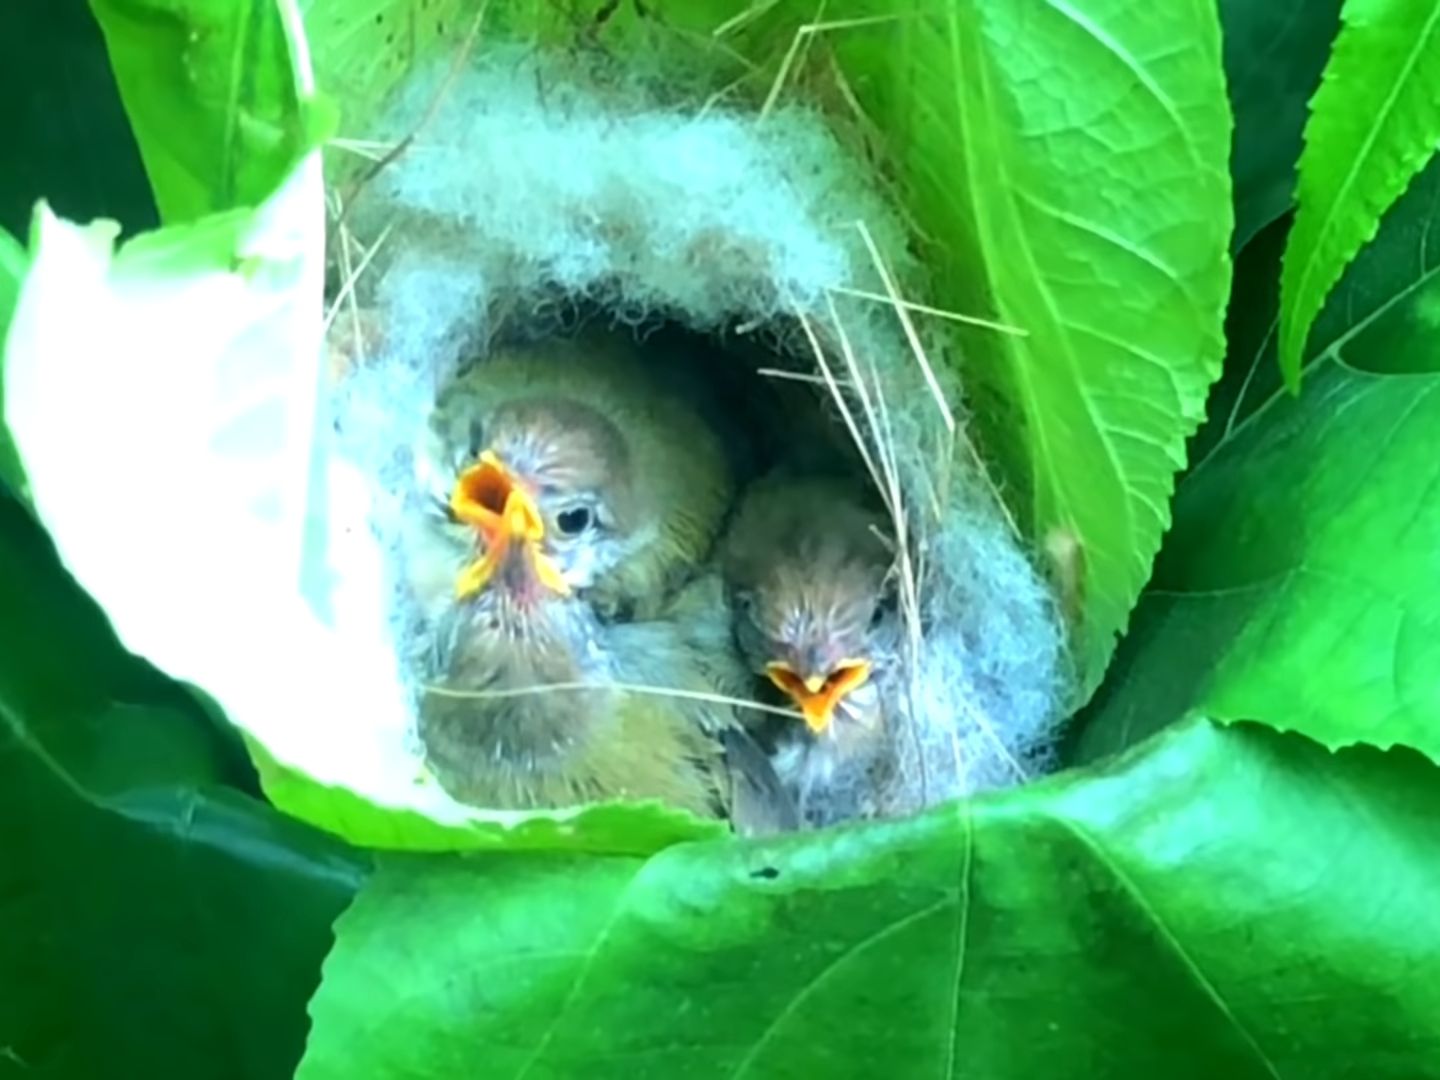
pixel 759 251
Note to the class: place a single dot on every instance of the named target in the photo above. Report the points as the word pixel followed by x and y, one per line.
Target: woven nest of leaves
pixel 508 198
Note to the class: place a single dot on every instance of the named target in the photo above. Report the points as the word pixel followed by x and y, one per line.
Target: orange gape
pixel 488 499
pixel 818 695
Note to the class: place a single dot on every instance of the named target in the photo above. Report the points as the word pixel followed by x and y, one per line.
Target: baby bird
pixel 523 718
pixel 581 493
pixel 627 481
pixel 809 572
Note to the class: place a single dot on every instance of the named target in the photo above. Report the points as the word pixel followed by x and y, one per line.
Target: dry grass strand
pixel 627 688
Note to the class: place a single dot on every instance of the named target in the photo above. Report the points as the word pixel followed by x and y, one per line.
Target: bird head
pixel 510 531
pixel 816 632
pixel 558 472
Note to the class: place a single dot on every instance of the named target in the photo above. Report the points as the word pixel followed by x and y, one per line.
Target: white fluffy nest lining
pixel 523 194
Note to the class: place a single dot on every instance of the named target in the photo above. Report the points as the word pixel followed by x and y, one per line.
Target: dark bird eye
pixel 574 521
pixel 888 605
pixel 477 439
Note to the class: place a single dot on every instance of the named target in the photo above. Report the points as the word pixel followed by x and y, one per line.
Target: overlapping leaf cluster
pixel 159 919
pixel 1239 877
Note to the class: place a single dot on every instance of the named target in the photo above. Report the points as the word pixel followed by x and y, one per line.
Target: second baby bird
pixel 809 572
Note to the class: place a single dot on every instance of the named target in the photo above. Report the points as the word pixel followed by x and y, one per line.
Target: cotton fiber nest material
pixel 525 191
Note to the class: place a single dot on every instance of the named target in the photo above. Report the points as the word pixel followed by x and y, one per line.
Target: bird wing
pixel 702 615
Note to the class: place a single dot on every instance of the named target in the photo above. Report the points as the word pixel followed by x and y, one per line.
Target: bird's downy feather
pixel 809 567
pixel 522 713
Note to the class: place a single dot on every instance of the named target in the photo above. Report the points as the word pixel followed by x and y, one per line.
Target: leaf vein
pixel 582 973
pixel 1207 987
pixel 1117 50
pixel 1417 49
pixel 849 953
pixel 962 932
pixel 1120 243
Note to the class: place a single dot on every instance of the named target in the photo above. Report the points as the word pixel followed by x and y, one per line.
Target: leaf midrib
pixel 1162 928
pixel 1387 107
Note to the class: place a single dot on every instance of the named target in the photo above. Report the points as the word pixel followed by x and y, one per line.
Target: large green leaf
pixel 1298 586
pixel 1094 138
pixel 1274 52
pixel 1374 124
pixel 157 923
pixel 1211 906
pixel 219 94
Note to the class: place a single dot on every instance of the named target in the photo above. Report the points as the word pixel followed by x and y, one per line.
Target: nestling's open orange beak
pixel 818 695
pixel 487 498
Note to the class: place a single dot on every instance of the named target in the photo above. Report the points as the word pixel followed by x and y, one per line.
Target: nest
pixel 534 201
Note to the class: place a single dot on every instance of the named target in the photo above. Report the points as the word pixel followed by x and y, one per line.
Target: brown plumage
pixel 809 571
pixel 570 496
pixel 697 629
pixel 504 724
pixel 628 480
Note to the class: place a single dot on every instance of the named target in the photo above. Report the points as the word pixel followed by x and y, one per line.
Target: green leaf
pixel 66 136
pixel 13 264
pixel 157 922
pixel 1104 235
pixel 1385 313
pixel 219 95
pixel 1072 158
pixel 1298 588
pixel 1298 584
pixel 1374 123
pixel 1274 53
pixel 1216 891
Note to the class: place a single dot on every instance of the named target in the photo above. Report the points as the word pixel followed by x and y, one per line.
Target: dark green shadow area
pixel 64 132
pixel 159 921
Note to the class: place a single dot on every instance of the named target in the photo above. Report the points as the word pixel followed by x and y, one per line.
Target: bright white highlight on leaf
pixel 163 398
